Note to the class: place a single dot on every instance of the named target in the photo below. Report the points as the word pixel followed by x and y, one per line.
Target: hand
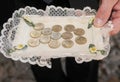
pixel 109 9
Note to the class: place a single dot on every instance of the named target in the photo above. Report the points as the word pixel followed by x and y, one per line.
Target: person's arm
pixel 109 8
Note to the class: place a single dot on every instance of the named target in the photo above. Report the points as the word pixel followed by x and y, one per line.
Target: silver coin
pixel 35 34
pixel 55 35
pixel 39 26
pixel 44 39
pixel 54 44
pixel 33 42
pixel 67 43
pixel 46 31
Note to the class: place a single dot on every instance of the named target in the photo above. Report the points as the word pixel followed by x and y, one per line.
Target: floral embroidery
pixel 18 47
pixel 90 23
pixel 94 50
pixel 28 21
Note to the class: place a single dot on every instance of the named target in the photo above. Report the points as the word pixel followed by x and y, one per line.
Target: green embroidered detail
pixel 90 23
pixel 94 50
pixel 18 47
pixel 28 22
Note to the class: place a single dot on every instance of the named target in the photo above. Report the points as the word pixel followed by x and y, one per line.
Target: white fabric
pixel 16 31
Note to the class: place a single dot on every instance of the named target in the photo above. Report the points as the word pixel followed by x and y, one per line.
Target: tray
pixel 17 31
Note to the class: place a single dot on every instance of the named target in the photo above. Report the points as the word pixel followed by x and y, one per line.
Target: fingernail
pixel 98 22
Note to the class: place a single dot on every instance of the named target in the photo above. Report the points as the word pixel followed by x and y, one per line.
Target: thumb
pixel 104 12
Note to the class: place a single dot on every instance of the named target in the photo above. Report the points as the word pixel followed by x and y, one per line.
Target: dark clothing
pixel 85 72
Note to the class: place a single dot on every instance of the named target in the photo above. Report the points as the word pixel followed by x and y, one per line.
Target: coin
pixel 46 31
pixel 67 43
pixel 44 39
pixel 33 42
pixel 39 26
pixel 57 28
pixel 69 28
pixel 80 40
pixel 54 44
pixel 35 34
pixel 55 35
pixel 67 35
pixel 79 31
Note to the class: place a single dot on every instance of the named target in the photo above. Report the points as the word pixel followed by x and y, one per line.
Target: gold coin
pixel 44 39
pixel 39 26
pixel 69 28
pixel 33 42
pixel 35 34
pixel 79 31
pixel 67 35
pixel 46 31
pixel 54 44
pixel 80 40
pixel 55 35
pixel 56 28
pixel 67 43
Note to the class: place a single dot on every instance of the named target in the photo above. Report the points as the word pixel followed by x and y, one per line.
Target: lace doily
pixel 10 27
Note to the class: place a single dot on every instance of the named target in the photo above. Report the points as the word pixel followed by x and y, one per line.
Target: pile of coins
pixel 80 39
pixel 68 35
pixel 43 35
pixel 51 36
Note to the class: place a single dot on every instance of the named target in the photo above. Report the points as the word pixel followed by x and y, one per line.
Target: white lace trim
pixel 9 30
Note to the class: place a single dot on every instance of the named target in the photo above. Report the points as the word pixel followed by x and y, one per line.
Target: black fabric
pixel 40 3
pixel 86 72
pixel 80 4
pixel 48 1
pixel 6 10
pixel 44 74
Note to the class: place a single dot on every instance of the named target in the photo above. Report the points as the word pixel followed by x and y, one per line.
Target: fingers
pixel 115 15
pixel 116 18
pixel 117 6
pixel 116 10
pixel 116 23
pixel 104 12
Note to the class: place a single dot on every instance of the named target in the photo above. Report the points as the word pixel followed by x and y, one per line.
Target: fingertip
pixel 112 33
pixel 98 22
